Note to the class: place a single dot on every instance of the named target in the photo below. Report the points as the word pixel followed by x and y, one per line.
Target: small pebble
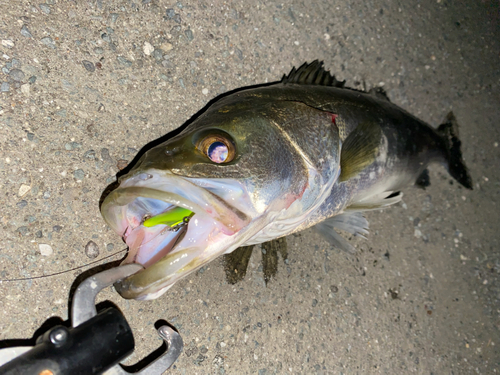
pixel 25 89
pixel 79 174
pixel 90 154
pixel 122 60
pixel 148 48
pixel 23 231
pixel 22 204
pixel 114 17
pixel 23 190
pixel 105 37
pixel 157 54
pixel 166 47
pixel 56 228
pixel 170 13
pixel 17 75
pixel 105 156
pixel 15 63
pixel 204 91
pixel 92 250
pixel 44 8
pixel 49 42
pixel 88 65
pixel 121 164
pixel 25 32
pixel 5 87
pixel 7 43
pixel 189 34
pixel 110 247
pixel 45 249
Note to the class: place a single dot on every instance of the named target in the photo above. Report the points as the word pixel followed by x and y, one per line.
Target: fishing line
pixel 61 272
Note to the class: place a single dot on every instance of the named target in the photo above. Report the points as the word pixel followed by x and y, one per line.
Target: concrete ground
pixel 85 84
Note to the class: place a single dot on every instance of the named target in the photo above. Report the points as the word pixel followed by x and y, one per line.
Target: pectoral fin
pixel 359 150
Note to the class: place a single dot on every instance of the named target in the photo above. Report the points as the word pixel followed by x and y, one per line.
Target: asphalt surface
pixel 84 85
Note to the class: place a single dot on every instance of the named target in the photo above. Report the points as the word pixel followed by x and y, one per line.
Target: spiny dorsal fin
pixel 379 93
pixel 311 74
pixel 359 150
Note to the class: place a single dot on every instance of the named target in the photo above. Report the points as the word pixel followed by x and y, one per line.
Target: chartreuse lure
pixel 171 218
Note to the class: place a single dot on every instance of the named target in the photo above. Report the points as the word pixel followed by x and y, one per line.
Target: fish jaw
pixel 166 254
pixel 200 245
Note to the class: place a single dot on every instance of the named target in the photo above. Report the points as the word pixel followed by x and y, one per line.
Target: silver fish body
pixel 265 162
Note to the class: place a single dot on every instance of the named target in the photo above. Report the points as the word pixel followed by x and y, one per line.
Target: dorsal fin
pixel 379 93
pixel 311 74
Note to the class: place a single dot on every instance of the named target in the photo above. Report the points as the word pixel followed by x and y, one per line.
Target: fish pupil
pixel 217 152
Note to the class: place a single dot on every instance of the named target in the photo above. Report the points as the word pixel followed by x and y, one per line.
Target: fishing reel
pixel 95 343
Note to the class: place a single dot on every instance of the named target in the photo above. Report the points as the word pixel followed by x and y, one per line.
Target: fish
pixel 263 162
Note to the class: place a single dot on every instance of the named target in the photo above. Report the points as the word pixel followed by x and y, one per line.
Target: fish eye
pixel 217 148
pixel 217 152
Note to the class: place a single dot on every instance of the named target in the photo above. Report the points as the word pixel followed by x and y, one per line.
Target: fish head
pixel 232 172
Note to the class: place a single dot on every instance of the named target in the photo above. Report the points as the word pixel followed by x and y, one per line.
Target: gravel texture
pixel 84 85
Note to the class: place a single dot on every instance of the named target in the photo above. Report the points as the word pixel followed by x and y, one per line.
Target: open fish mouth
pixel 172 227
